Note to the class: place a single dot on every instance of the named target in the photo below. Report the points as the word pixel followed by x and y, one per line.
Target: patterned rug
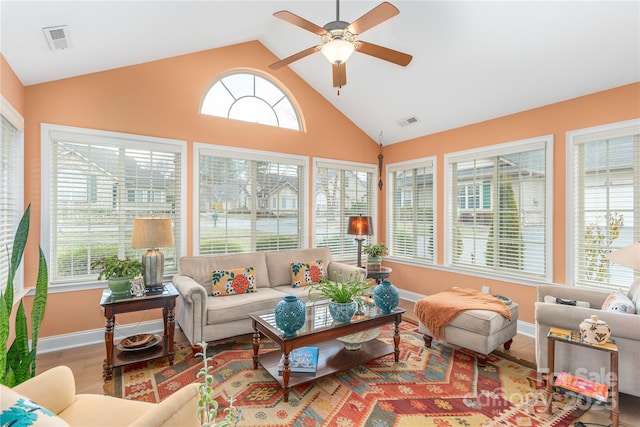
pixel 441 387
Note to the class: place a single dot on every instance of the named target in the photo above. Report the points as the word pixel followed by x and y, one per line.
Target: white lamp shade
pixel 152 233
pixel 337 51
pixel 629 256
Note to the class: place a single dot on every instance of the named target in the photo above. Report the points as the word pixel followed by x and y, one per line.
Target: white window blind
pixel 249 201
pixel 498 209
pixel 606 186
pixel 341 190
pixel 411 209
pixel 99 183
pixel 11 188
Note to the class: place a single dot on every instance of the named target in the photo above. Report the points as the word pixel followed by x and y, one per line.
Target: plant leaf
pixel 39 305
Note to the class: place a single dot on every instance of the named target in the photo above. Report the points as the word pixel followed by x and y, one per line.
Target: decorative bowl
pixel 355 341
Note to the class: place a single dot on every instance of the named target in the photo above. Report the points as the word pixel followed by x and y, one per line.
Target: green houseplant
pixel 342 294
pixel 19 363
pixel 118 272
pixel 374 252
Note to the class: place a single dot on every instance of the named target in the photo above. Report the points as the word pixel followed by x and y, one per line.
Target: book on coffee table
pixel 303 360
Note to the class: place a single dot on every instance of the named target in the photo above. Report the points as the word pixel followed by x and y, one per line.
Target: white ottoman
pixel 481 331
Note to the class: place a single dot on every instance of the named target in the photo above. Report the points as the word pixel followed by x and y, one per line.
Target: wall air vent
pixel 57 37
pixel 407 121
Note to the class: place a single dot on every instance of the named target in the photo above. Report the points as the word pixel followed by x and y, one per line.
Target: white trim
pixel 94 336
pixel 574 137
pixel 545 142
pixel 52 132
pixel 11 114
pixel 245 154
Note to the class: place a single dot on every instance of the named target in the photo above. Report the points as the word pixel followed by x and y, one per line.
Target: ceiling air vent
pixel 407 121
pixel 57 37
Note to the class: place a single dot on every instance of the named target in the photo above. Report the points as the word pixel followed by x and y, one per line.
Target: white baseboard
pixel 93 336
pixel 524 328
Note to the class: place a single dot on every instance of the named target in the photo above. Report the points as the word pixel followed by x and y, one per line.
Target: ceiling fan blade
pixel 294 57
pixel 339 75
pixel 383 53
pixel 378 14
pixel 300 22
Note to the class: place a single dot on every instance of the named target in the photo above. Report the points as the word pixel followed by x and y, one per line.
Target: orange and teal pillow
pixel 306 273
pixel 233 282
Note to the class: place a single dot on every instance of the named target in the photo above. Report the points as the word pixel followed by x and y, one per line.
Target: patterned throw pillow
pixel 17 410
pixel 306 273
pixel 619 302
pixel 233 282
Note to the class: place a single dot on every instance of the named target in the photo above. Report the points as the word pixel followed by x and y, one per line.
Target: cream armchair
pixel 625 330
pixel 55 391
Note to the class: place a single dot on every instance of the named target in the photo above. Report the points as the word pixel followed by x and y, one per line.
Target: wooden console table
pixel 112 305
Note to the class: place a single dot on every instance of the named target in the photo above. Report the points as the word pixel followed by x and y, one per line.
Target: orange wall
pixel 162 98
pixel 10 86
pixel 622 103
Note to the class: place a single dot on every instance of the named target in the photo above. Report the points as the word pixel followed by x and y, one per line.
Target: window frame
pixel 506 148
pixel 16 120
pixel 49 131
pixel 573 139
pixel 252 155
pixel 344 165
pixel 410 165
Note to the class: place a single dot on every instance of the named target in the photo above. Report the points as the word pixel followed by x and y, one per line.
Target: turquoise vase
pixel 290 315
pixel 386 296
pixel 342 312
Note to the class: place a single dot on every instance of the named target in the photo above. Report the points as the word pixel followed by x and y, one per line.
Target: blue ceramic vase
pixel 342 312
pixel 290 315
pixel 386 296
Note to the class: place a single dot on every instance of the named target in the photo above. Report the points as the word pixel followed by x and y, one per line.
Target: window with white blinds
pixel 604 191
pixel 341 190
pixel 98 182
pixel 11 187
pixel 411 207
pixel 498 213
pixel 249 200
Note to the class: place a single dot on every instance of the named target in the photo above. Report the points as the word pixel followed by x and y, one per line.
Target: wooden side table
pixel 114 305
pixel 573 338
pixel 379 275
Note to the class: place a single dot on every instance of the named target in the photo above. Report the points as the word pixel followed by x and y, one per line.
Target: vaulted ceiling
pixel 472 61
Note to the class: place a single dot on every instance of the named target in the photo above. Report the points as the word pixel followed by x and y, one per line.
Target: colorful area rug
pixel 441 386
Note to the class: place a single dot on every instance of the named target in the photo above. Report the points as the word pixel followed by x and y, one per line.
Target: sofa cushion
pixel 554 300
pixel 199 267
pixel 634 294
pixel 279 263
pixel 618 302
pixel 306 273
pixel 19 411
pixel 484 322
pixel 233 282
pixel 220 310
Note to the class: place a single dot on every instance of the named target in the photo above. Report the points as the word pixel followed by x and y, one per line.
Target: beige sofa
pixel 625 330
pixel 206 318
pixel 54 393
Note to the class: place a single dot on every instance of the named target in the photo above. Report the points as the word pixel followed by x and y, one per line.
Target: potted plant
pixel 118 273
pixel 342 294
pixel 374 252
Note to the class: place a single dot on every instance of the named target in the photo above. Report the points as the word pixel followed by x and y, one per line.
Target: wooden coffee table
pixel 320 330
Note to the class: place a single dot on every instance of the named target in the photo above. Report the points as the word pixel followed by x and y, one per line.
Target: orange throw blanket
pixel 438 310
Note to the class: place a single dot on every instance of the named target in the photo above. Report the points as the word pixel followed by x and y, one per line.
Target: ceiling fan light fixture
pixel 337 51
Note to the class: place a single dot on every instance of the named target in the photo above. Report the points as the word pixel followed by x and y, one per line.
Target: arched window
pixel 251 98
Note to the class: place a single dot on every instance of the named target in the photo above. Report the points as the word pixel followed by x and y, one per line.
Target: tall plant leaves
pixel 39 305
pixel 19 243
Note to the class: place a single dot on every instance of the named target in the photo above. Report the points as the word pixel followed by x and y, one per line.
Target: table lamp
pixel 152 233
pixel 629 256
pixel 360 226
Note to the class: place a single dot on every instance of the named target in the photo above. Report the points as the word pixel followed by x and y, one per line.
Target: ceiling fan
pixel 339 40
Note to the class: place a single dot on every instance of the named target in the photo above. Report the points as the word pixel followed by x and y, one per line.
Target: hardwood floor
pixel 86 363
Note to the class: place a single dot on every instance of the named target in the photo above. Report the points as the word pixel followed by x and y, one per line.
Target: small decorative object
pixel 207 404
pixel 118 273
pixel 374 255
pixel 290 315
pixel 137 286
pixel 594 330
pixel 386 296
pixel 354 341
pixel 342 293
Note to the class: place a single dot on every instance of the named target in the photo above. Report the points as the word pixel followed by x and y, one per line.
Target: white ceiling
pixel 473 61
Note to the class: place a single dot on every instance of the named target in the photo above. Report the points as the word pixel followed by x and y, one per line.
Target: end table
pixel 112 305
pixel 379 275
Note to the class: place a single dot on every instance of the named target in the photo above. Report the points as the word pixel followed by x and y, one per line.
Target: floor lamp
pixel 360 226
pixel 629 256
pixel 152 233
